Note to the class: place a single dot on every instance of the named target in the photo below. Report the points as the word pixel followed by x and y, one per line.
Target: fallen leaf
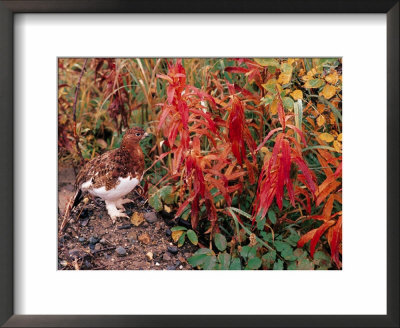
pixel 176 235
pixel 332 78
pixel 297 94
pixel 339 137
pixel 328 91
pixel 338 146
pixel 326 137
pixel 137 219
pixel 321 120
pixel 284 78
pixel 314 83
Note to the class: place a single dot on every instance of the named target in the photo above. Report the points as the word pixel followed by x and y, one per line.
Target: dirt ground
pixel 92 242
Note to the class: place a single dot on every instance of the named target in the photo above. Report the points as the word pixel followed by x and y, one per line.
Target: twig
pixel 74 110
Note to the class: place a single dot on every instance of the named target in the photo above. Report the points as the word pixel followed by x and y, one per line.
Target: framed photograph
pixel 199 165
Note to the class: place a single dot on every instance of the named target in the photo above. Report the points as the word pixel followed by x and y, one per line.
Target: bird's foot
pixel 120 202
pixel 113 212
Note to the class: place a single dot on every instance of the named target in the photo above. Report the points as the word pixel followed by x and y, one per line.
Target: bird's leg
pixel 120 202
pixel 113 212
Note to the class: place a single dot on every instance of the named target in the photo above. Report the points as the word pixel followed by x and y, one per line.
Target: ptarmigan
pixel 113 174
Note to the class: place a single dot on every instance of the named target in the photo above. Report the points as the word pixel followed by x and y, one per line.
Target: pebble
pixel 120 251
pixel 81 239
pixel 97 247
pixel 150 217
pixel 157 264
pixel 173 250
pixel 149 255
pixel 180 267
pixel 93 240
pixel 168 232
pixel 166 257
pixel 170 267
pixel 187 255
pixel 103 241
pixel 144 238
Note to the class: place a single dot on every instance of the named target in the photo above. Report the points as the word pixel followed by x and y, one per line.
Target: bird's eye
pixel 138 134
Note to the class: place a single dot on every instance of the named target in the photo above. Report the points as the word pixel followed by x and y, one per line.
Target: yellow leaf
pixel 137 219
pixel 332 78
pixel 284 78
pixel 274 107
pixel 297 94
pixel 320 108
pixel 328 91
pixel 338 146
pixel 321 120
pixel 326 137
pixel 176 234
pixel 167 209
pixel 339 137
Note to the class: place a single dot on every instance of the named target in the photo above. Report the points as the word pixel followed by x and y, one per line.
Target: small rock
pixel 180 267
pixel 170 267
pixel 103 241
pixel 151 217
pixel 173 250
pixel 93 240
pixel 157 264
pixel 125 226
pixel 168 232
pixel 133 235
pixel 166 257
pixel 144 238
pixel 120 251
pixel 97 247
pixel 149 255
pixel 81 239
pixel 187 255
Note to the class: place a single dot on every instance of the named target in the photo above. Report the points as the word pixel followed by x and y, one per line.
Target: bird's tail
pixel 74 201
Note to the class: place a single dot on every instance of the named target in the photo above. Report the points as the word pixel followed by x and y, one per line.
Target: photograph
pixel 199 163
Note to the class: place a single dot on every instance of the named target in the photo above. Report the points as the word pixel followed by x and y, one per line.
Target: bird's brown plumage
pixel 107 170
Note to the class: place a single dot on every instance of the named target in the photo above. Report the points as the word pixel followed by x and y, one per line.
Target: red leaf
pixel 320 231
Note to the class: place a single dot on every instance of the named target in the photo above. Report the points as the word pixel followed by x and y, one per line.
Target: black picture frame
pixel 8 201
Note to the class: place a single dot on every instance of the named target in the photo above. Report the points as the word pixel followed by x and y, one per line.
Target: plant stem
pixel 74 111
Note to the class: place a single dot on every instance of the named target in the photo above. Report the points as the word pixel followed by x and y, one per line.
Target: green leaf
pixel 287 254
pixel 281 246
pixel 267 62
pixel 224 259
pixel 292 266
pixel 269 258
pixel 220 241
pixel 254 263
pixel 278 265
pixel 288 102
pixel 272 216
pixel 322 260
pixel 314 83
pixel 181 239
pixel 235 265
pixel 248 252
pixel 305 264
pixel 210 262
pixel 178 228
pixel 155 202
pixel 260 222
pixel 204 251
pixel 197 260
pixel 192 237
pixel 165 191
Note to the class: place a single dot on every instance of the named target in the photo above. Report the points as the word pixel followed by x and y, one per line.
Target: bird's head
pixel 135 134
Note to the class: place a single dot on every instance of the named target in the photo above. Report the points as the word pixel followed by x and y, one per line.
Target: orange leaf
pixel 320 231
